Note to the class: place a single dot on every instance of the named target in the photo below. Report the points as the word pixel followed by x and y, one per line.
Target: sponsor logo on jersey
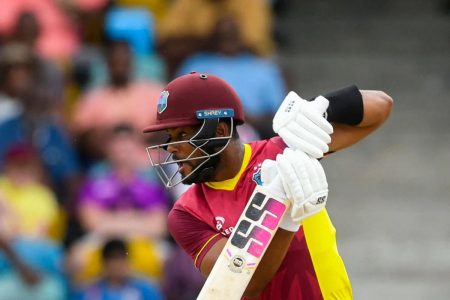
pixel 162 101
pixel 220 221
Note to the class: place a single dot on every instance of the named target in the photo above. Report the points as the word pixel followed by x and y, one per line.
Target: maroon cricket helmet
pixel 184 97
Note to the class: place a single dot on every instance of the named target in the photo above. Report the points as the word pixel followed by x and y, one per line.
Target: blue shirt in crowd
pixel 133 289
pixel 257 81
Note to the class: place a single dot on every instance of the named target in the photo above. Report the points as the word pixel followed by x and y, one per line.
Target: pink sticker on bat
pixel 262 236
pixel 277 208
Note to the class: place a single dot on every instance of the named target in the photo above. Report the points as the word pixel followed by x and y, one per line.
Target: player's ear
pixel 223 129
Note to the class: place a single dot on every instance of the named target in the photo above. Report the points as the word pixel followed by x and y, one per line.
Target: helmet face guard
pixel 204 142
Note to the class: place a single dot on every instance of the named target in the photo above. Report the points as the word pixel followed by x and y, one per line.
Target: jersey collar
pixel 230 184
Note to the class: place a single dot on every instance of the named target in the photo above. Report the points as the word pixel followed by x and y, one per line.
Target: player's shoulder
pixel 192 201
pixel 189 195
pixel 268 148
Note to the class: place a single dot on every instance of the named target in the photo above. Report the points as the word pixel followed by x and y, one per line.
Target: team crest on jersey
pixel 162 101
pixel 257 175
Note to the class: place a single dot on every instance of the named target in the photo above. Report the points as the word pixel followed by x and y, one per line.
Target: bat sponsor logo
pixel 321 200
pixel 237 264
pixel 253 233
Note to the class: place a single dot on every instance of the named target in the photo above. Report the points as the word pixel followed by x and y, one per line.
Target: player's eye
pixel 183 136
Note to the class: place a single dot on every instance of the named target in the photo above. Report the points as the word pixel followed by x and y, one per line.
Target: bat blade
pixel 244 249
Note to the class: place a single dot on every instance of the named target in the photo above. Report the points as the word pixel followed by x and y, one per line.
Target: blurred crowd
pixel 82 213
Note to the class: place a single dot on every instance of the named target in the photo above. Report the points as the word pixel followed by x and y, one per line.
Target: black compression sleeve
pixel 346 106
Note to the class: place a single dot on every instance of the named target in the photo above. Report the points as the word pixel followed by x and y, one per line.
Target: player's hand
pixel 272 183
pixel 304 182
pixel 302 125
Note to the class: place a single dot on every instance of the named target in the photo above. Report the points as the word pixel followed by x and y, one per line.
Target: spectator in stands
pixel 188 24
pixel 121 101
pixel 119 199
pixel 137 27
pixel 117 281
pixel 57 39
pixel 26 281
pixel 16 65
pixel 26 31
pixel 29 261
pixel 30 118
pixel 258 81
pixel 32 206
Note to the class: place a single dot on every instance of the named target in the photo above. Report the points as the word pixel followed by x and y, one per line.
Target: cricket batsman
pixel 199 114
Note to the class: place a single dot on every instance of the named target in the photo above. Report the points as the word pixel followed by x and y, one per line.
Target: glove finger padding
pixel 268 171
pixel 318 132
pixel 287 111
pixel 320 104
pixel 304 170
pixel 304 182
pixel 289 179
pixel 319 120
pixel 321 177
pixel 294 142
pixel 313 174
pixel 302 133
pixel 314 112
pixel 302 126
pixel 318 200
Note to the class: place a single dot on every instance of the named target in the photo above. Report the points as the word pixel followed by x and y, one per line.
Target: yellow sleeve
pixel 320 237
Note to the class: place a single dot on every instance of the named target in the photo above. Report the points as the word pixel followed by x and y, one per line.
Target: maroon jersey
pixel 312 268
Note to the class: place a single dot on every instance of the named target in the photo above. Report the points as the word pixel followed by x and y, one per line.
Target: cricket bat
pixel 244 249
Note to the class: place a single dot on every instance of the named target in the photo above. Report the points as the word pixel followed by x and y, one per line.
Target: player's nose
pixel 172 148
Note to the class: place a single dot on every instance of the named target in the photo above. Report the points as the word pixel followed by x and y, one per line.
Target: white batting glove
pixel 302 125
pixel 304 182
pixel 271 182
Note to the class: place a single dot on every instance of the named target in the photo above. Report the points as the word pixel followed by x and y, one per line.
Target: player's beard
pixel 203 174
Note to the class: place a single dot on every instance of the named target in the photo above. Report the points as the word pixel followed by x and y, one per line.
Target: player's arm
pixel 300 180
pixel 376 107
pixel 306 125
